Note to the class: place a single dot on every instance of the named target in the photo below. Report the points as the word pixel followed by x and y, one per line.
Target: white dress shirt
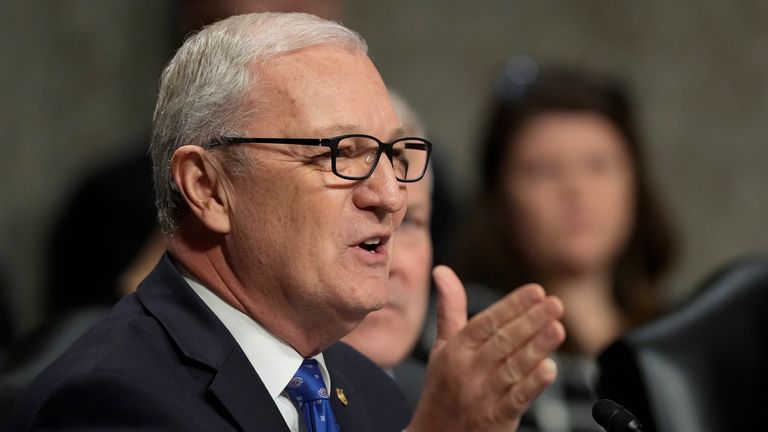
pixel 271 357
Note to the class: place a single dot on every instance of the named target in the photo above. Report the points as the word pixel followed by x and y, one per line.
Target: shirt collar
pixel 272 358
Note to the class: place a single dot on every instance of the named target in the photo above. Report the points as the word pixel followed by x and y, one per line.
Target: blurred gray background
pixel 78 81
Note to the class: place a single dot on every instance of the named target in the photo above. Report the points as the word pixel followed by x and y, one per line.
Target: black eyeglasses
pixel 354 157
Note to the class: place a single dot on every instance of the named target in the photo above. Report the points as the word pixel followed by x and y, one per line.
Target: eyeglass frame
pixel 333 143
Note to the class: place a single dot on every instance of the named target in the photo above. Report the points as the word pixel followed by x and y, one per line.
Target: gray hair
pixel 206 90
pixel 408 117
pixel 412 123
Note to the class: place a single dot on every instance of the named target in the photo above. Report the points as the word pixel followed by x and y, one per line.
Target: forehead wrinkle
pixel 297 114
pixel 338 129
pixel 348 128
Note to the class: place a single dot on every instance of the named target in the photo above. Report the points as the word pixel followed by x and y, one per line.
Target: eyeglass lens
pixel 357 155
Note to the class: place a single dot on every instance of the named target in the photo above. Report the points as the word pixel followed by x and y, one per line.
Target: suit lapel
pixel 200 336
pixel 352 415
pixel 245 397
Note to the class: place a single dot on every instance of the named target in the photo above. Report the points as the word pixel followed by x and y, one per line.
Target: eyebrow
pixel 397 133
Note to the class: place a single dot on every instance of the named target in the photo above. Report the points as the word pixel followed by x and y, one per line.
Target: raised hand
pixel 483 374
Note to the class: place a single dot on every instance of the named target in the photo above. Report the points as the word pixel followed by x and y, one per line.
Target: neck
pixel 592 318
pixel 207 262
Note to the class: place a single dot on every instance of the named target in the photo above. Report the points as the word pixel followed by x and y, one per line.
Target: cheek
pixel 412 257
pixel 421 260
pixel 293 226
pixel 410 271
pixel 313 223
pixel 617 206
pixel 416 291
pixel 536 214
pixel 251 228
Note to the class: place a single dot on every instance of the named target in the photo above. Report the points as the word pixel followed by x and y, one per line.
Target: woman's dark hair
pixel 488 252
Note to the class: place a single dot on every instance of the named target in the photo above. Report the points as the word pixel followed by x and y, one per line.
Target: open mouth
pixel 373 244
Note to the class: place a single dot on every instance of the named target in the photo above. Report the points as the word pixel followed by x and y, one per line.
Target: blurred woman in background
pixel 566 202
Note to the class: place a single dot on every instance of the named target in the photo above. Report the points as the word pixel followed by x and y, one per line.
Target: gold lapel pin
pixel 342 397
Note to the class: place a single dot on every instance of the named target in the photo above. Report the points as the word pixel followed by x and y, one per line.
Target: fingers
pixel 483 375
pixel 514 304
pixel 514 369
pixel 451 304
pixel 520 396
pixel 517 332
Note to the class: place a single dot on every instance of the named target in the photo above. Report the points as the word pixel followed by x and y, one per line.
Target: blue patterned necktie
pixel 307 391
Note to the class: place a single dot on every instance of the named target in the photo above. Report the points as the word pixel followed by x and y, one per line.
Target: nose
pixel 574 182
pixel 381 191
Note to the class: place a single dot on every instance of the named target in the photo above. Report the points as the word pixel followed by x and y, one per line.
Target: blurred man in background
pixel 387 336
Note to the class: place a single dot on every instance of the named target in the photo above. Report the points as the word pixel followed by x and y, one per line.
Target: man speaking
pixel 280 169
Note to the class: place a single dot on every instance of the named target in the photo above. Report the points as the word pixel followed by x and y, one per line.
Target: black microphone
pixel 614 417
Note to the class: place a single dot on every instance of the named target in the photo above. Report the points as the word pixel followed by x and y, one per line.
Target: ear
pixel 201 181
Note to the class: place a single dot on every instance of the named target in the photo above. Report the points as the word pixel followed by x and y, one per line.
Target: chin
pixel 362 298
pixel 571 264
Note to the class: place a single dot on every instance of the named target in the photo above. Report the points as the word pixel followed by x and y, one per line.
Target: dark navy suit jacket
pixel 162 361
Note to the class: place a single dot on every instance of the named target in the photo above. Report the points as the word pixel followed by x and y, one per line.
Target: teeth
pixel 373 241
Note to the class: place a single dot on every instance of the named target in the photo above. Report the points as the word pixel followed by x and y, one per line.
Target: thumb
pixel 451 305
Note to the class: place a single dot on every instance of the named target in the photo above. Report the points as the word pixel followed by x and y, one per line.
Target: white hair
pixel 408 117
pixel 207 89
pixel 413 125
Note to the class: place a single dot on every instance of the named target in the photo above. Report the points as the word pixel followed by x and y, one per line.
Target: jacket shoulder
pixel 368 388
pixel 102 401
pixel 124 367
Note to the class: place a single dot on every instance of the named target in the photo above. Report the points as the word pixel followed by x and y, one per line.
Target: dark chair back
pixel 703 367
